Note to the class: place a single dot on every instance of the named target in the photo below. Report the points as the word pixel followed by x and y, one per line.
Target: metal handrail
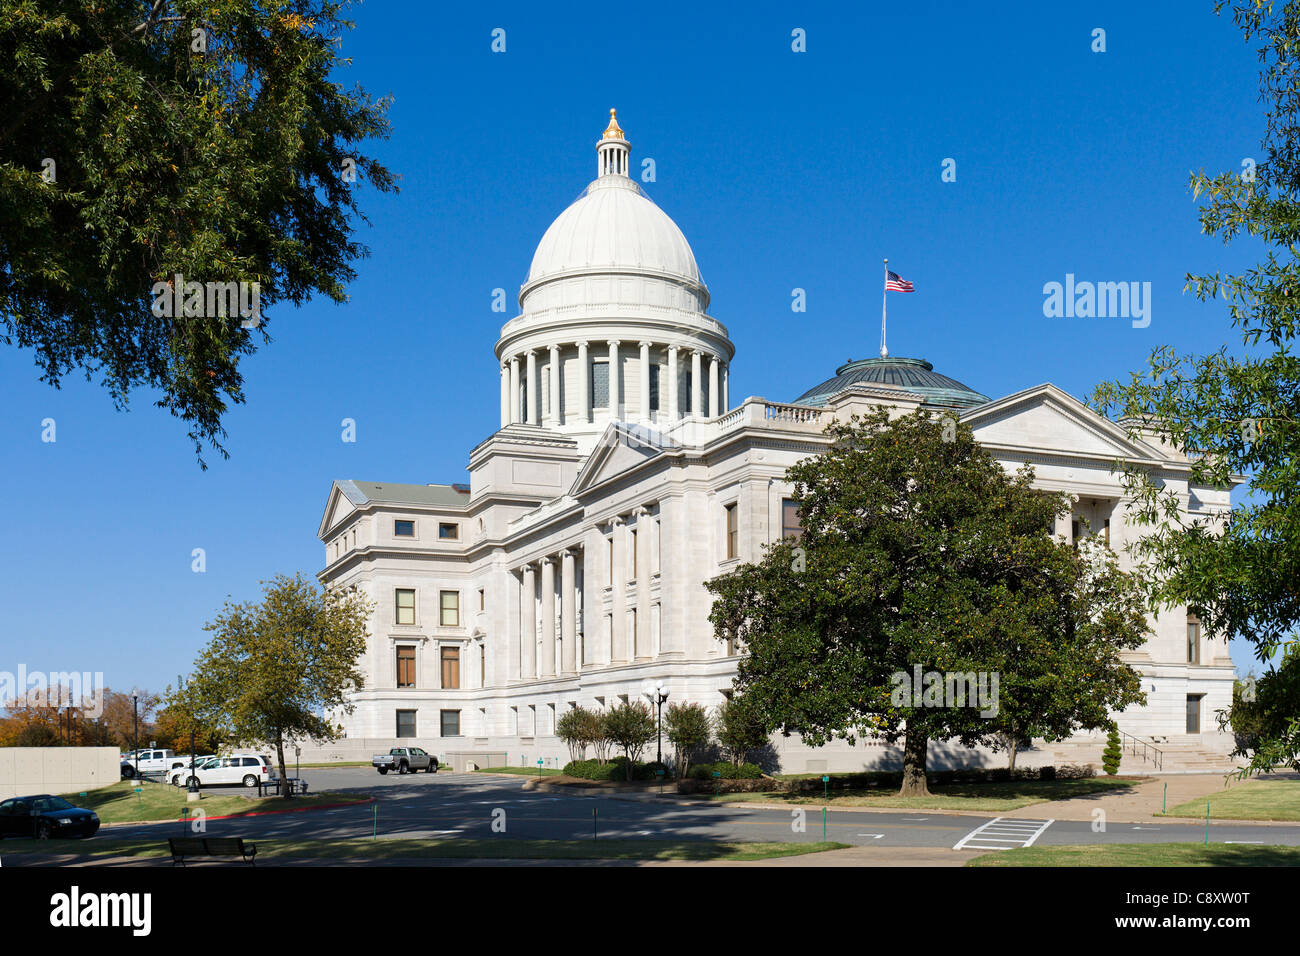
pixel 1157 759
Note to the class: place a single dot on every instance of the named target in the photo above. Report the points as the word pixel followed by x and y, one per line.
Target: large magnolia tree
pixel 921 556
pixel 141 139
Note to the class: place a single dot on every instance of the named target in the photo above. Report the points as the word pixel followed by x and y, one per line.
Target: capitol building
pixel 570 569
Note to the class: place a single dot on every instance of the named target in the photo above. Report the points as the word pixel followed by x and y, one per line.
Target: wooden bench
pixel 212 847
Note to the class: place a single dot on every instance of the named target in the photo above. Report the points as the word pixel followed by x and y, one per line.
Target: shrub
pixel 1113 754
pixel 620 768
pixel 727 770
pixel 740 729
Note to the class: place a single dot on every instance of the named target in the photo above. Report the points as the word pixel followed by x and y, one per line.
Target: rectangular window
pixel 1105 530
pixel 482 602
pixel 406 723
pixel 1193 639
pixel 450 723
pixel 684 392
pixel 609 557
pixel 790 526
pixel 403 528
pixel 449 608
pixel 733 532
pixel 405 606
pixel 482 666
pixel 631 543
pixel 599 384
pixel 654 388
pixel 449 532
pixel 451 668
pixel 406 667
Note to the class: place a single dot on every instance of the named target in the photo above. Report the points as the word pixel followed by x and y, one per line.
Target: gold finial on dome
pixel 612 131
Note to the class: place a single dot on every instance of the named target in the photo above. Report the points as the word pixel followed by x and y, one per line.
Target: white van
pixel 246 769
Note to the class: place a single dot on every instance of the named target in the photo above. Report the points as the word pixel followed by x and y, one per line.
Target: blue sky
pixel 783 169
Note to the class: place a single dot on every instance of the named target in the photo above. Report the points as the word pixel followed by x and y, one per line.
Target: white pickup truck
pixel 150 761
pixel 405 760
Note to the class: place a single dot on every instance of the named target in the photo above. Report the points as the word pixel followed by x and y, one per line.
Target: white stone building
pixel 571 569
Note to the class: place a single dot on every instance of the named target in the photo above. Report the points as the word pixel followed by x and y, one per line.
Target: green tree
pixel 574 728
pixel 141 140
pixel 1113 755
pixel 921 556
pixel 740 727
pixel 688 729
pixel 630 726
pixel 1235 412
pixel 278 669
pixel 1265 715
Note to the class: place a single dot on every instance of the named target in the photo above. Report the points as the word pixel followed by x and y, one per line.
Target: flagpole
pixel 884 298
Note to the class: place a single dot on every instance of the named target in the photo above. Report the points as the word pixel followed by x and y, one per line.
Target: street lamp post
pixel 191 785
pixel 135 731
pixel 657 693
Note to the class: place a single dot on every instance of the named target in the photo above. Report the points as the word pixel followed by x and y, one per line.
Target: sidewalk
pixel 1137 804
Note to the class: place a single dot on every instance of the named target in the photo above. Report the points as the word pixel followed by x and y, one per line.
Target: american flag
pixel 896 283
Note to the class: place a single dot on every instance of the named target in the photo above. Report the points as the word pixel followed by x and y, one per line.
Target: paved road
pixel 465 805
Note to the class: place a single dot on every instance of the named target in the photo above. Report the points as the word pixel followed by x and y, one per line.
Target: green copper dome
pixel 913 375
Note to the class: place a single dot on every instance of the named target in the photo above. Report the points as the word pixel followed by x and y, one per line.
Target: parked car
pixel 179 775
pixel 248 769
pixel 405 760
pixel 44 816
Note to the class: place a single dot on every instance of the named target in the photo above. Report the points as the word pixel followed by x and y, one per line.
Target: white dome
pixel 613 227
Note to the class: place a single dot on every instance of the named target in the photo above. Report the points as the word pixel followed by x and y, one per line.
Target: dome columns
pixel 584 387
pixel 531 395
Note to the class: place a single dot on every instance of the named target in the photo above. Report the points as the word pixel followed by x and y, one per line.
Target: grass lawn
pixel 1277 799
pixel 1007 795
pixel 411 849
pixel 119 803
pixel 1143 854
pixel 523 771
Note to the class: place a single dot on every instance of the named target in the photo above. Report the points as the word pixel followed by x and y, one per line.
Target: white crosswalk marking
pixel 1003 834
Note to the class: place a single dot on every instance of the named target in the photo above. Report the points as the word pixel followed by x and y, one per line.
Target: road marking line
pixel 1024 832
pixel 875 836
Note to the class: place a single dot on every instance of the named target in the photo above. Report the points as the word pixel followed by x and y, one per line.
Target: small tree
pixel 631 727
pixel 273 670
pixel 1113 754
pixel 573 728
pixel 597 734
pixel 688 730
pixel 740 728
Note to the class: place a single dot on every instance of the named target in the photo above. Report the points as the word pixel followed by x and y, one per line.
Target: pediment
pixel 620 449
pixel 337 509
pixel 1047 420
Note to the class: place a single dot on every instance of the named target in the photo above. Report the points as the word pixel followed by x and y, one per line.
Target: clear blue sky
pixel 783 169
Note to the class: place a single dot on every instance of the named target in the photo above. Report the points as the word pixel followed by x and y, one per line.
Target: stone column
pixel 584 386
pixel 613 378
pixel 726 392
pixel 673 412
pixel 618 605
pixel 645 381
pixel 505 394
pixel 514 388
pixel 568 614
pixel 548 618
pixel 643 534
pixel 697 396
pixel 557 418
pixel 534 393
pixel 528 624
pixel 715 391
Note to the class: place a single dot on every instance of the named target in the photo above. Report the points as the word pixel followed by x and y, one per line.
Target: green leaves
pixel 922 552
pixel 225 165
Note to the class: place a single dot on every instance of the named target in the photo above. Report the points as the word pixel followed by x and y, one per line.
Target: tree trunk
pixel 1012 762
pixel 284 772
pixel 914 748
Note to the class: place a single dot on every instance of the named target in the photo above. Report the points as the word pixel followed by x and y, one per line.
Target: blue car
pixel 44 816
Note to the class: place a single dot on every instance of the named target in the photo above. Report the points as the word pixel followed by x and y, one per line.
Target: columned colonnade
pixel 521 384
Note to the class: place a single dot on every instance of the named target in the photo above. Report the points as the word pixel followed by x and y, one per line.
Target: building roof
pixel 389 492
pixel 914 375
